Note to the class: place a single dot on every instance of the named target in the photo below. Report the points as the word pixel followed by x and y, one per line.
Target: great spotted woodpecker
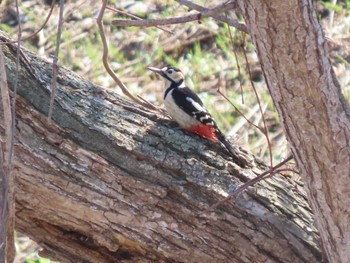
pixel 187 109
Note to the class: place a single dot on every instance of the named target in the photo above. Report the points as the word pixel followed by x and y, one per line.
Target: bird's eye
pixel 170 71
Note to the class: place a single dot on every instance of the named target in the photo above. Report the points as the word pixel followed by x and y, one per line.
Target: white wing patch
pixel 201 114
pixel 206 117
pixel 196 105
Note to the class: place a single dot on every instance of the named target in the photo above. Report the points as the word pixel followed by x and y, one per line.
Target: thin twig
pixel 267 174
pixel 55 61
pixel 45 22
pixel 241 113
pixel 242 121
pixel 222 18
pixel 108 67
pixel 239 74
pixel 266 132
pixel 135 17
pixel 39 29
pixel 237 64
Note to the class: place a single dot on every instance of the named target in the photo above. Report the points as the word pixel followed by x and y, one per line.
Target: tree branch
pixel 190 18
pixel 121 85
pixel 110 181
pixel 231 22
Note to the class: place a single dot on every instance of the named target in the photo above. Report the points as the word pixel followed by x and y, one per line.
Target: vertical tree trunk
pixel 291 47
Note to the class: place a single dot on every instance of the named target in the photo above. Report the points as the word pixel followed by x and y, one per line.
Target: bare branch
pixel 237 64
pixel 108 67
pixel 135 17
pixel 266 130
pixel 241 113
pixel 179 20
pixel 267 174
pixel 45 22
pixel 55 60
pixel 222 18
pixel 39 29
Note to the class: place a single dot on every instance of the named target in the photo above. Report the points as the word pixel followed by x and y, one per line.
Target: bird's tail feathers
pixel 221 137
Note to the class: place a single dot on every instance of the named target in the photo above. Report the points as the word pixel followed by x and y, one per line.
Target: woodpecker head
pixel 170 75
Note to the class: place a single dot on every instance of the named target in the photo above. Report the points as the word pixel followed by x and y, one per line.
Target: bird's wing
pixel 192 105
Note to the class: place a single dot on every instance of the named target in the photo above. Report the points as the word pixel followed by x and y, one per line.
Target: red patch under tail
pixel 205 131
pixel 210 133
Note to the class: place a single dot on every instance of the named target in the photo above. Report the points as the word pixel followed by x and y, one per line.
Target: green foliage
pixel 6 28
pixel 340 6
pixel 39 260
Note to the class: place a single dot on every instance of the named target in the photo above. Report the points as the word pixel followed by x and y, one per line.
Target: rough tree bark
pixel 109 181
pixel 291 48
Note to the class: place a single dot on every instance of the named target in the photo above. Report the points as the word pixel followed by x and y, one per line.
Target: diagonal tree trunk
pixel 291 48
pixel 109 181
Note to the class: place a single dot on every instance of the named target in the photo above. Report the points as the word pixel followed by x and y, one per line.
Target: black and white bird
pixel 187 109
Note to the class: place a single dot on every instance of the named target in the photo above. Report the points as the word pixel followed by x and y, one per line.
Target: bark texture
pixel 109 181
pixel 291 47
pixel 7 209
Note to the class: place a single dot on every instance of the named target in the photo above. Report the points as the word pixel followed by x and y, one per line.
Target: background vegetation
pixel 212 57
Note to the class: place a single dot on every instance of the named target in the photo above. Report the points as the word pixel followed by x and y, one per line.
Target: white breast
pixel 182 118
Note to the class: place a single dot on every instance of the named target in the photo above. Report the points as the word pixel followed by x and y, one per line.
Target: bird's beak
pixel 156 70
